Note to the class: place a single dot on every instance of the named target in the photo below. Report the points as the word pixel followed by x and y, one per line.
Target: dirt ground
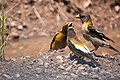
pixel 33 23
pixel 37 21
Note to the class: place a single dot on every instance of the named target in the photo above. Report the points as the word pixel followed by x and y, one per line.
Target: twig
pixel 12 8
pixel 62 12
pixel 38 15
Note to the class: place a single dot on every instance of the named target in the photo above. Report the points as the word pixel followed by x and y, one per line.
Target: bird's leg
pixel 93 50
pixel 96 47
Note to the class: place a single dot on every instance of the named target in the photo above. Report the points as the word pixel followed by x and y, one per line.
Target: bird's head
pixel 83 16
pixel 66 26
pixel 71 32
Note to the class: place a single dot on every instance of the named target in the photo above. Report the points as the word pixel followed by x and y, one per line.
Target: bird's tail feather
pixel 113 48
pixel 109 39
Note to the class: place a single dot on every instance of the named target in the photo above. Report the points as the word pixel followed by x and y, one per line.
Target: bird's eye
pixel 82 16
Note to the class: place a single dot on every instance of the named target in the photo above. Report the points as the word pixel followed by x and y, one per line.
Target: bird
pixel 59 41
pixel 90 33
pixel 78 47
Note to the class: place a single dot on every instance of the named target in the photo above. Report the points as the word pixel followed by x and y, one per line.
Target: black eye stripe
pixel 82 16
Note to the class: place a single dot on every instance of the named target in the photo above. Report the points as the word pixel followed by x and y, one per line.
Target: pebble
pixel 96 76
pixel 13 23
pixel 7 76
pixel 15 35
pixel 87 3
pixel 59 57
pixel 40 62
pixel 38 70
pixel 13 59
pixel 46 65
pixel 65 73
pixel 29 67
pixel 35 29
pixel 20 27
pixel 75 63
pixel 117 8
pixel 69 68
pixel 17 75
pixel 81 67
pixel 27 56
pixel 19 12
pixel 61 67
pixel 74 75
pixel 60 61
pixel 84 73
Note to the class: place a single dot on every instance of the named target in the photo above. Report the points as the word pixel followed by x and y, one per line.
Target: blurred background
pixel 33 23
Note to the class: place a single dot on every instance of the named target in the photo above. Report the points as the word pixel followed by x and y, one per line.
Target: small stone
pixel 13 59
pixel 19 12
pixel 81 67
pixel 29 67
pixel 74 75
pixel 84 73
pixel 86 66
pixel 46 65
pixel 65 73
pixel 105 54
pixel 74 63
pixel 61 67
pixel 13 23
pixel 59 57
pixel 15 35
pixel 27 56
pixel 59 61
pixel 20 27
pixel 7 76
pixel 87 3
pixel 58 76
pixel 35 29
pixel 95 76
pixel 68 68
pixel 38 70
pixel 40 62
pixel 17 75
pixel 117 8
